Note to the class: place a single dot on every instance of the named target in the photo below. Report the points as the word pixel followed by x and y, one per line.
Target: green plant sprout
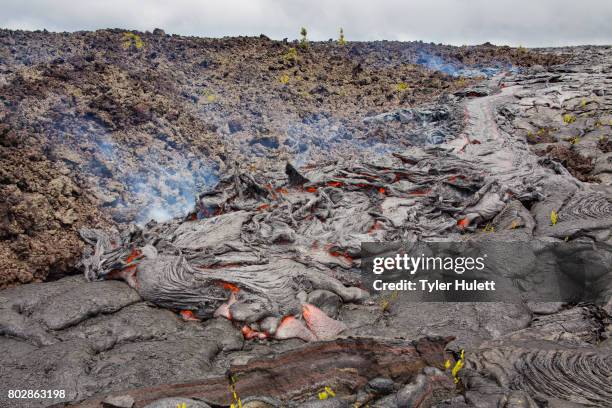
pixel 574 140
pixel 304 39
pixel 554 217
pixel 488 228
pixel 341 39
pixel 569 118
pixel 458 366
pixel 326 393
pixel 387 301
pixel 236 402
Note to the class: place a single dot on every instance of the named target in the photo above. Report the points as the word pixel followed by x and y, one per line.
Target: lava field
pixel 182 220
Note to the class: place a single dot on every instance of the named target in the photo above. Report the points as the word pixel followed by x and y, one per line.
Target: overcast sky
pixel 513 22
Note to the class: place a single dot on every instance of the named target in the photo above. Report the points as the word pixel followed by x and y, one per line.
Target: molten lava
pixel 323 326
pixel 248 333
pixel 292 328
pixel 188 315
pixel 229 286
pixel 374 227
pixel 344 255
pixel 224 309
pixel 463 223
pixel 282 190
pixel 133 255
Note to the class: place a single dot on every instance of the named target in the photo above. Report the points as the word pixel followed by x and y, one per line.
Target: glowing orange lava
pixel 286 319
pixel 229 286
pixel 306 312
pixel 249 333
pixel 344 255
pixel 463 223
pixel 374 227
pixel 282 190
pixel 188 315
pixel 133 255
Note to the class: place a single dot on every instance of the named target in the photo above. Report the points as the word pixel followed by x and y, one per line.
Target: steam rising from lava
pixel 162 185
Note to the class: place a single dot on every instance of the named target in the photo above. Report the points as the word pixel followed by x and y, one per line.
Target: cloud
pixel 524 22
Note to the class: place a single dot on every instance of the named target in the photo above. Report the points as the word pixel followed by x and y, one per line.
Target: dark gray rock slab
pixel 97 337
pixel 325 300
pixel 470 323
pixel 380 386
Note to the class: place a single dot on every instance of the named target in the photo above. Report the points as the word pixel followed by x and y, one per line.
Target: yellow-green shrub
pixel 401 87
pixel 130 39
pixel 569 118
pixel 284 79
pixel 291 55
pixel 341 39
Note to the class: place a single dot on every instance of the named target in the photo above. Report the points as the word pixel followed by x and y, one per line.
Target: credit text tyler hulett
pixel 413 263
pixel 435 286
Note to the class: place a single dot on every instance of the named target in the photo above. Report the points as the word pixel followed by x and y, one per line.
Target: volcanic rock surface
pixel 276 165
pixel 95 130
